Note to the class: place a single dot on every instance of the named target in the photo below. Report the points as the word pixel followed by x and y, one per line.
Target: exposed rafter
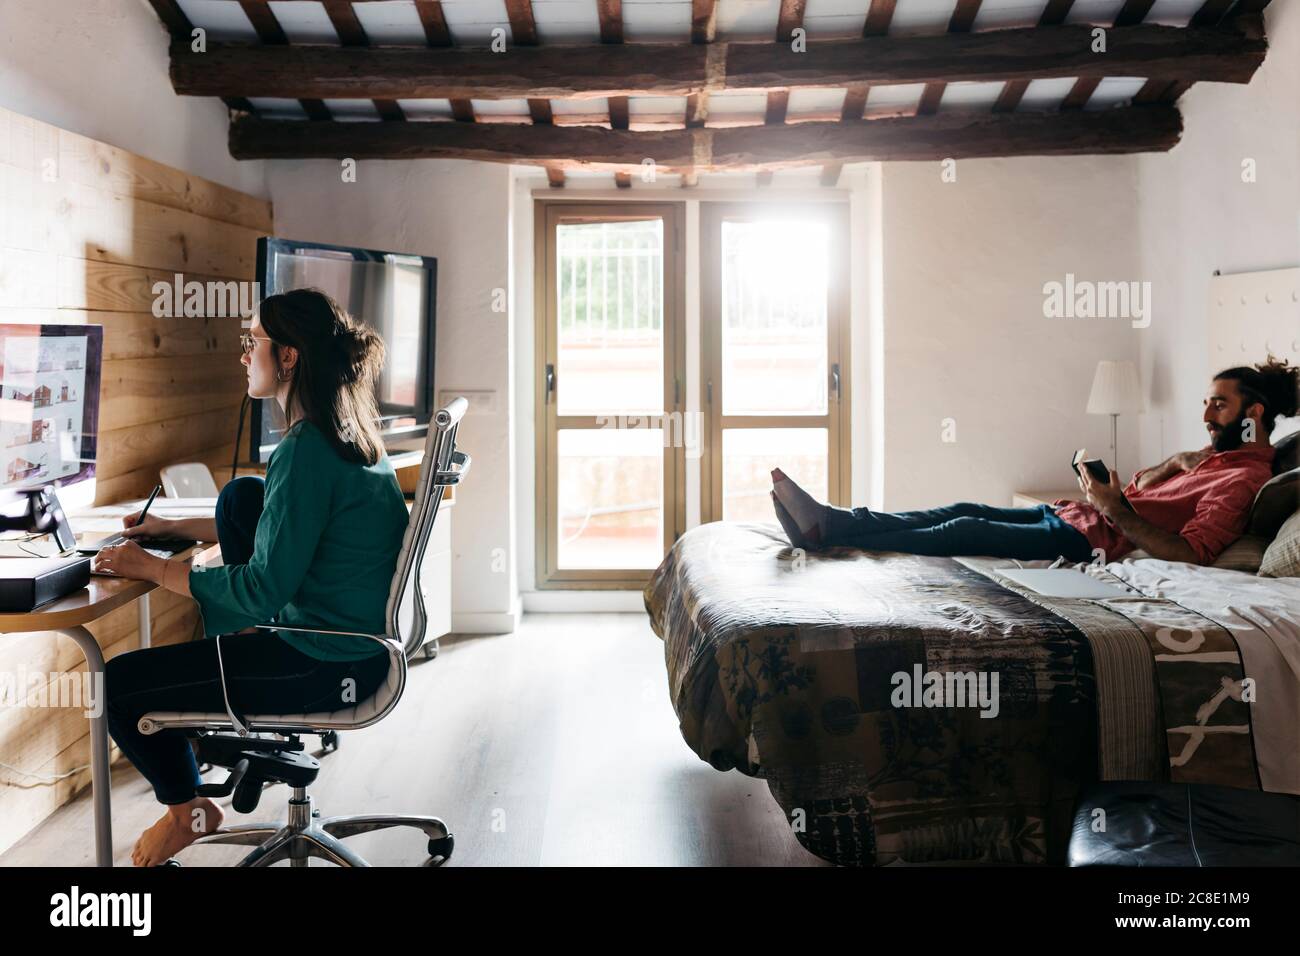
pixel 1151 50
pixel 958 135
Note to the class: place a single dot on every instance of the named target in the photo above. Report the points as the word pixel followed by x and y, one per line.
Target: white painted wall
pixel 99 68
pixel 1196 215
pixel 964 333
pixel 458 212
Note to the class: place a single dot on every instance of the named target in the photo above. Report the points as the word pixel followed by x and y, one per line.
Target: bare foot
pixel 807 513
pixel 181 825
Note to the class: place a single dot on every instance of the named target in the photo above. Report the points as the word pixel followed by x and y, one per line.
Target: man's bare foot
pixel 181 825
pixel 807 513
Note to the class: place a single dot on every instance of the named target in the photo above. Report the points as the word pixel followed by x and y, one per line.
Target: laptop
pixel 1064 582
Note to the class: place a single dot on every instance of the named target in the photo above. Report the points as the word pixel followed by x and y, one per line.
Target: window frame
pixel 548 214
pixel 837 418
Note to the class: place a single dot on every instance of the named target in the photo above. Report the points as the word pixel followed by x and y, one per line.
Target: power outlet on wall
pixel 482 401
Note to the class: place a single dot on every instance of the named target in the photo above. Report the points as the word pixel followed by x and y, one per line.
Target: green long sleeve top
pixel 324 552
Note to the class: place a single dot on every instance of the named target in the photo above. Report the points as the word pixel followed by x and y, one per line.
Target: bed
pixel 783 666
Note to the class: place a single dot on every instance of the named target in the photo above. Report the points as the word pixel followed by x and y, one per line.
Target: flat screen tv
pixel 392 292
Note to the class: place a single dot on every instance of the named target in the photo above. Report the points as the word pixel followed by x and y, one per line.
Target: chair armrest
pixel 460 462
pixel 382 638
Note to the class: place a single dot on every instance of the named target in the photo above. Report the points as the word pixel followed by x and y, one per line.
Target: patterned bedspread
pixel 915 709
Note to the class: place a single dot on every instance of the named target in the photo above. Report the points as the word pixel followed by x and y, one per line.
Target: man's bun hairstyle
pixel 1275 384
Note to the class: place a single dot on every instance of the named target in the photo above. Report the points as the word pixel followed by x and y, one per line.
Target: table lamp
pixel 1116 389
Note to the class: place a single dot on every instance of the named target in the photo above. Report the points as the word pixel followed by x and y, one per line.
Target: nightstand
pixel 1032 499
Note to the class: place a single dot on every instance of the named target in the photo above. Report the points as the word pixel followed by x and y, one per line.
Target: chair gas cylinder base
pixel 254 761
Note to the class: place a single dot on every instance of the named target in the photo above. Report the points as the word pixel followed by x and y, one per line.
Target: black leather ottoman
pixel 1174 824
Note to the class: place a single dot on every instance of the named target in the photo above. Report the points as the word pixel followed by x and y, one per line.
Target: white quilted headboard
pixel 1252 315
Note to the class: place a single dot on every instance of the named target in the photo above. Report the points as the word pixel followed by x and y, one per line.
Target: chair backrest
pixel 190 479
pixel 443 466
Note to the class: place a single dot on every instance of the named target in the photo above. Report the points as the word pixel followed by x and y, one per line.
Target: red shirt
pixel 1207 506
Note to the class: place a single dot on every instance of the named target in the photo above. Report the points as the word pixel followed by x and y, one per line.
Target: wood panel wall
pixel 86 229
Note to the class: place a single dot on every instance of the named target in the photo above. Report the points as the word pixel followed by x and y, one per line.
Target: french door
pixel 610 402
pixel 774 318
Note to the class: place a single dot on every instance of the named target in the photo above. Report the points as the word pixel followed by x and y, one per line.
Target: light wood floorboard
pixel 554 746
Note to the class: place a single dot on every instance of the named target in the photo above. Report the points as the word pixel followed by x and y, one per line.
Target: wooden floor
pixel 553 746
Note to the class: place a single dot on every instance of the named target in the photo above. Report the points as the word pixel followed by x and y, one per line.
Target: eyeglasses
pixel 248 341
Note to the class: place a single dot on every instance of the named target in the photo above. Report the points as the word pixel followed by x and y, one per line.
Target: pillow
pixel 1276 501
pixel 1286 453
pixel 1244 554
pixel 1282 559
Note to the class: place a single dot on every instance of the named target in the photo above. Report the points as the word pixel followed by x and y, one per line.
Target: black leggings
pixel 263 673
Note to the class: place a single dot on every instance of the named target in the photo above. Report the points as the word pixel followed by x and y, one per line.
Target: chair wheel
pixel 171 863
pixel 329 741
pixel 442 848
pixel 430 650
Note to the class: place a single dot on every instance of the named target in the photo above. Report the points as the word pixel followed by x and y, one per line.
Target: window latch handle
pixel 550 382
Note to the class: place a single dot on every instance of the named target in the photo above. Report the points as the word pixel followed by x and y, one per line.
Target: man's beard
pixel 1229 437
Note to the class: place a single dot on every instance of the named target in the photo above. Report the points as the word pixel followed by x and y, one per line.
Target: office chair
pixel 255 761
pixel 191 479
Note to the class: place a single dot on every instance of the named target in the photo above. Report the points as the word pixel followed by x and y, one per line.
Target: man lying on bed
pixel 1188 508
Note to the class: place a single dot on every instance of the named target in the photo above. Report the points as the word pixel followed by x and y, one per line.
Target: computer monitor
pixel 49 408
pixel 396 295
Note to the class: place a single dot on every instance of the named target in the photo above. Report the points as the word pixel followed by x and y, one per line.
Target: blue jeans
pixel 263 673
pixel 965 528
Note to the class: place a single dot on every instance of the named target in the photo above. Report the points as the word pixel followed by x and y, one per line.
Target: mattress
pixel 838 677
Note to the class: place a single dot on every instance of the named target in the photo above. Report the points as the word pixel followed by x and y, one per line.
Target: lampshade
pixel 1116 389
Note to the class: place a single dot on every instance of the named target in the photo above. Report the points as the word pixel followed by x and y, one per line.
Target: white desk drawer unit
pixel 435 580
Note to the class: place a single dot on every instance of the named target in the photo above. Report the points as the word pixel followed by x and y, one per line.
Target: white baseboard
pixel 488 622
pixel 568 602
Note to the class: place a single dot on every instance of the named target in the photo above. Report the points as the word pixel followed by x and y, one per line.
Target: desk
pixel 69 616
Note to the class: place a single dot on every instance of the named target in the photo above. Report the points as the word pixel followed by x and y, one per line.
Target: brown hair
pixel 338 361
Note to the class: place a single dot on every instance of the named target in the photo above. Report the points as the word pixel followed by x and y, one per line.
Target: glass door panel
pixel 750 454
pixel 611 498
pixel 609 285
pixel 774 335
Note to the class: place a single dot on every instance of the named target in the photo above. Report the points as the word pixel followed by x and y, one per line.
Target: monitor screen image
pixel 49 403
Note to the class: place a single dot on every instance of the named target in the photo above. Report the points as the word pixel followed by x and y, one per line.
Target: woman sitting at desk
pixel 316 543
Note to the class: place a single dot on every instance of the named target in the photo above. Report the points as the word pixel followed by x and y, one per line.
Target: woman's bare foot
pixel 181 825
pixel 807 513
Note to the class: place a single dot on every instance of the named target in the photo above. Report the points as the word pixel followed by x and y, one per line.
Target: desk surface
pixel 100 597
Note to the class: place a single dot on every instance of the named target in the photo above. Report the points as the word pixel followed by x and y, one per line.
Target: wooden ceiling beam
pixel 523 28
pixel 178 25
pixel 789 18
pixel 704 20
pixel 434 22
pixel 610 13
pixel 879 16
pixel 343 17
pixel 269 32
pixel 1130 15
pixel 1013 91
pixel 1209 14
pixel 1151 50
pixel 958 135
pixel 961 21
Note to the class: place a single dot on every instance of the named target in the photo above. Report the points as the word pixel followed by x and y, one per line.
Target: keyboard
pixel 169 545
